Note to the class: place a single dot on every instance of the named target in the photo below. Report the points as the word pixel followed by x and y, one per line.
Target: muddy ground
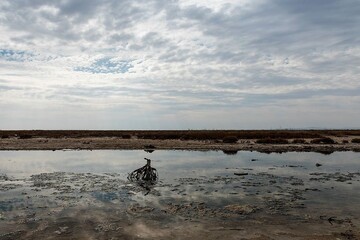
pixel 93 206
pixel 244 205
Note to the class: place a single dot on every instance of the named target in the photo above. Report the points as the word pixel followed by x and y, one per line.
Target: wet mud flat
pixel 210 195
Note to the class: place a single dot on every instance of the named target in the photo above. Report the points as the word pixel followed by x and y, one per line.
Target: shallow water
pixel 306 188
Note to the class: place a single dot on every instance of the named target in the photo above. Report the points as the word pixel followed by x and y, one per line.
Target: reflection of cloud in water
pixel 88 191
pixel 106 196
pixel 174 165
pixel 212 191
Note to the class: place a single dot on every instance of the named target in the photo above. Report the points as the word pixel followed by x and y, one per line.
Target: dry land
pixel 325 141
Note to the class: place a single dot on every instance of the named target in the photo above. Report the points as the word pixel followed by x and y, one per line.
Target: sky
pixel 179 64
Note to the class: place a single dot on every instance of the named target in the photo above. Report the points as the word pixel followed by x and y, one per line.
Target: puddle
pixel 85 194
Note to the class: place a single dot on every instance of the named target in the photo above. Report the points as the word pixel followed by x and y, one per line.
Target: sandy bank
pixel 138 144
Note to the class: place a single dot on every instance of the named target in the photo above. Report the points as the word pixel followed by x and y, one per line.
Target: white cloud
pixel 180 59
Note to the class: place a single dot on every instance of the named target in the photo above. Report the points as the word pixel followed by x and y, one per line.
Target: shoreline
pixel 83 194
pixel 113 143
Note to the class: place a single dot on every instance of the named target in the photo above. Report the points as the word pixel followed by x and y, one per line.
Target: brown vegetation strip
pixel 150 144
pixel 179 134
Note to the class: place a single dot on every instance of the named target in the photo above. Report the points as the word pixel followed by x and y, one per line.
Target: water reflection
pixel 230 152
pixel 149 150
pixel 191 184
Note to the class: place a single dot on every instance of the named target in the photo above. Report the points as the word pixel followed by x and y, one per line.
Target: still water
pixel 192 185
pixel 173 164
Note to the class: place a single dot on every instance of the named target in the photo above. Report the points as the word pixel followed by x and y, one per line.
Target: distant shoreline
pixel 229 141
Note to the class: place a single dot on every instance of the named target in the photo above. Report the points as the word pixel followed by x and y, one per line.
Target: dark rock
pixel 241 174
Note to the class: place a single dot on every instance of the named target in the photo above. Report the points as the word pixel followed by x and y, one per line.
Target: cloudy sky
pixel 179 64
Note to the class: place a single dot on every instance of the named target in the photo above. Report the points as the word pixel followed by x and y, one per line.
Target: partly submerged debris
pixel 149 150
pixel 145 174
